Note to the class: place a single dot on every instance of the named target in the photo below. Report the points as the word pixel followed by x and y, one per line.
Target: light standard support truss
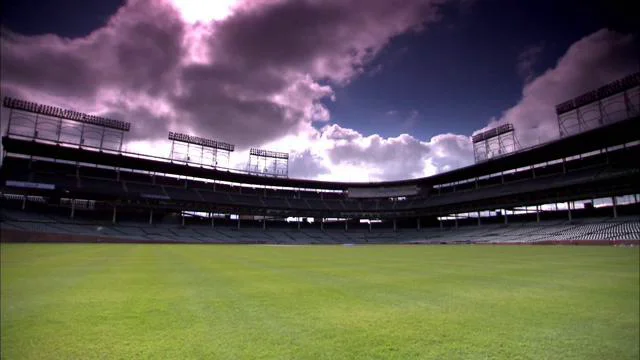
pixel 616 101
pixel 495 142
pixel 268 163
pixel 200 151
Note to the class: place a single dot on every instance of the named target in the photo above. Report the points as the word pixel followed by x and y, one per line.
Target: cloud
pixel 247 72
pixel 593 61
pixel 306 165
pixel 256 75
pixel 347 155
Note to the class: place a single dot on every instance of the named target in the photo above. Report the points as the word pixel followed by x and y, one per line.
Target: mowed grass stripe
pixel 111 301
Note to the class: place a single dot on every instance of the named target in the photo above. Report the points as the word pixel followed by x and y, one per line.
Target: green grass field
pixel 111 301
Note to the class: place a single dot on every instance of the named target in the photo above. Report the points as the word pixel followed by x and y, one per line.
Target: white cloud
pixel 593 61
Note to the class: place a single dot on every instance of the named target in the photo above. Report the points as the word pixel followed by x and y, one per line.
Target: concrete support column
pixel 569 209
pixel 24 202
pixel 418 224
pixel 395 225
pixel 151 217
pixel 455 218
pixel 322 224
pixel 264 223
pixel 113 218
pixel 238 221
pixel 369 225
pixel 441 225
pixel 635 197
pixel 506 218
pixel 537 213
pixel 73 208
pixel 479 220
pixel 615 206
pixel 213 220
pixel 346 225
pixel 299 223
pixel 182 216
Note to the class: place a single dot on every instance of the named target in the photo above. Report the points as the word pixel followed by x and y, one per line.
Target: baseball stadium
pixel 528 253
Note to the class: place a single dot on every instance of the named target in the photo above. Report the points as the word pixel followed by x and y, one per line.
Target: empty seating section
pixel 246 200
pixel 277 203
pixel 131 184
pixel 101 186
pixel 183 194
pixel 623 228
pixel 60 180
pixel 144 189
pixel 214 197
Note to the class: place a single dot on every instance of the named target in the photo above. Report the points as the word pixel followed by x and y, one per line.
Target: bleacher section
pixel 623 228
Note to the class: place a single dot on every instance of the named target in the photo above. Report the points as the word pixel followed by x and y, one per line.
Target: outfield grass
pixel 113 301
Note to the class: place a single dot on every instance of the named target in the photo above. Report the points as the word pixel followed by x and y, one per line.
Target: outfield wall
pixel 17 236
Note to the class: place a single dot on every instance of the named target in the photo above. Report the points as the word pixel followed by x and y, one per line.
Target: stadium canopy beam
pixel 73 208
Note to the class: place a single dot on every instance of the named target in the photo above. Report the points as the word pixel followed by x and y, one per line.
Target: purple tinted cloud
pixel 256 76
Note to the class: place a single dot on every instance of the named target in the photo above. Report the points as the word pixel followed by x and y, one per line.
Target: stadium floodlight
pixel 57 112
pixel 498 141
pixel 491 133
pixel 603 92
pixel 190 139
pixel 268 154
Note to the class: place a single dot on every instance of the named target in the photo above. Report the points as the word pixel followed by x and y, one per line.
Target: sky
pixel 354 90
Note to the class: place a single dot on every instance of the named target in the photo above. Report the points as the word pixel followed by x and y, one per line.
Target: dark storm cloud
pixel 264 63
pixel 255 79
pixel 138 50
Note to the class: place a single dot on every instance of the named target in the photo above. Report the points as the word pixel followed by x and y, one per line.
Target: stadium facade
pixel 65 173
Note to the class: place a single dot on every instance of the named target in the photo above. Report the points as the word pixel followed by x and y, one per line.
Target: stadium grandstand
pixel 66 178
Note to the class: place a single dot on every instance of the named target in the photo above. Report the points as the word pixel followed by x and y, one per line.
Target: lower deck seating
pixel 624 228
